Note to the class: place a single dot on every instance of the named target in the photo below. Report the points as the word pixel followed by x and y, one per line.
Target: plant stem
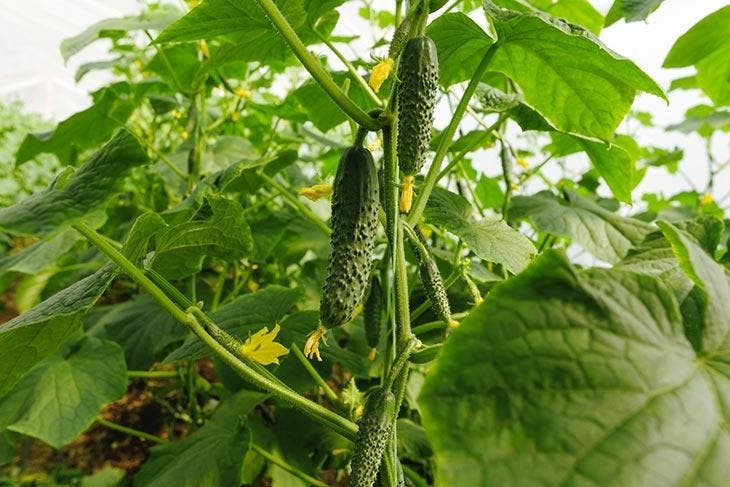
pixel 129 431
pixel 313 373
pixel 401 291
pixel 413 476
pixel 351 68
pixel 315 68
pixel 446 138
pixel 304 209
pixel 153 374
pixel 341 425
pixel 289 468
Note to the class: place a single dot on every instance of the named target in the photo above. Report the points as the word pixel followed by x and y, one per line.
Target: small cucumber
pixel 372 316
pixel 372 437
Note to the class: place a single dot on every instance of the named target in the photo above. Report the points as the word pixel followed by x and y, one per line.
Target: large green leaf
pixel 210 457
pixel 576 11
pixel 155 18
pixel 565 73
pixel 491 240
pixel 34 258
pixel 39 332
pixel 631 10
pixel 84 191
pixel 217 229
pixel 244 316
pixel 460 43
pixel 86 129
pixel 707 46
pixel 583 377
pixel 604 234
pixel 60 397
pixel 143 329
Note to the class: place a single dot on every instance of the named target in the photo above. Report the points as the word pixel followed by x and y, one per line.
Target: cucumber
pixel 400 37
pixel 372 436
pixel 372 316
pixel 417 90
pixel 432 282
pixel 355 200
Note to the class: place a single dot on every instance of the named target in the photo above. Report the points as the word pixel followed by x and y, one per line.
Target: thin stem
pixel 413 476
pixel 315 68
pixel 343 426
pixel 446 138
pixel 153 374
pixel 190 318
pixel 506 159
pixel 351 68
pixel 401 291
pixel 307 364
pixel 304 209
pixel 289 468
pixel 129 431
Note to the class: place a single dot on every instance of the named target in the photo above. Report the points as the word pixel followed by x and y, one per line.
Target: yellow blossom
pixel 203 48
pixel 524 163
pixel 184 134
pixel 316 192
pixel 706 199
pixel 374 145
pixel 253 286
pixel 262 348
pixel 176 114
pixel 242 92
pixel 380 73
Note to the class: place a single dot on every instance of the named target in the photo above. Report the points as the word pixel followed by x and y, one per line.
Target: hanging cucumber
pixel 431 279
pixel 372 436
pixel 417 90
pixel 354 223
pixel 372 316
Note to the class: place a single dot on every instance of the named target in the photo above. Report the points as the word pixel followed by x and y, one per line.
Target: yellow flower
pixel 203 48
pixel 706 199
pixel 242 93
pixel 262 348
pixel 184 134
pixel 374 145
pixel 524 163
pixel 316 192
pixel 380 73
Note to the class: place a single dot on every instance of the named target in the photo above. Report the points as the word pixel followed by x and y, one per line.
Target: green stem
pixel 307 364
pixel 446 138
pixel 341 425
pixel 315 68
pixel 289 468
pixel 129 431
pixel 304 209
pixel 153 374
pixel 351 68
pixel 506 159
pixel 401 291
pixel 413 476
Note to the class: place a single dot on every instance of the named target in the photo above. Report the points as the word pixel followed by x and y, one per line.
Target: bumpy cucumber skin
pixel 372 313
pixel 372 437
pixel 432 282
pixel 355 203
pixel 419 79
pixel 400 37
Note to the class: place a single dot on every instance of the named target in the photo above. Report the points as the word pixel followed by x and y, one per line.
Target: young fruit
pixel 400 37
pixel 418 75
pixel 354 223
pixel 372 436
pixel 432 282
pixel 372 316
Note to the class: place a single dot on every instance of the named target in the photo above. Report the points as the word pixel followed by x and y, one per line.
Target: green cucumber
pixel 417 91
pixel 372 436
pixel 372 315
pixel 355 203
pixel 432 281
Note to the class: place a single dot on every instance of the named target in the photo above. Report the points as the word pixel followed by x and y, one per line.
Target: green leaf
pixel 706 46
pixel 217 229
pixel 566 74
pixel 86 129
pixel 576 11
pixel 460 44
pixel 154 18
pixel 37 257
pixel 143 329
pixel 86 190
pixel 491 240
pixel 60 397
pixel 604 234
pixel 210 457
pixel 244 316
pixel 177 65
pixel 711 278
pixel 39 332
pixel 631 10
pixel 144 228
pixel 583 377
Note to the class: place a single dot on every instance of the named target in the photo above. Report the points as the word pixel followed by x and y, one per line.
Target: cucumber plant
pixel 214 218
